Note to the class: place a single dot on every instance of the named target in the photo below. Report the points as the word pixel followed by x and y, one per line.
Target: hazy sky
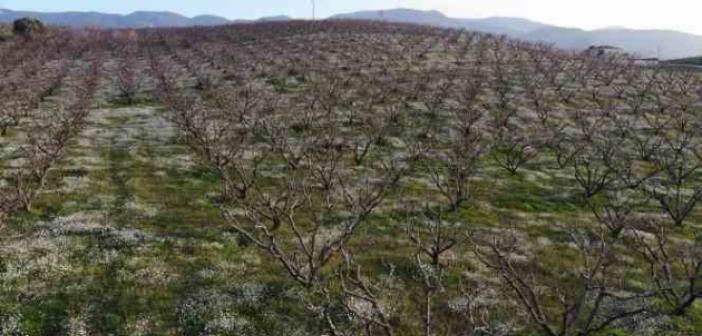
pixel 669 14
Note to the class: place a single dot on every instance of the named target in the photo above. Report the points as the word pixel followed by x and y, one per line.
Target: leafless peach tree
pixel 50 128
pixel 310 134
pixel 583 300
pixel 452 159
pixel 129 77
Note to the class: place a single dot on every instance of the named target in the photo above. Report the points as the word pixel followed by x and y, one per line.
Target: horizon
pixel 593 15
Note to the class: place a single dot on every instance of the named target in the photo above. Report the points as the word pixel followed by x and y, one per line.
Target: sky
pixel 683 15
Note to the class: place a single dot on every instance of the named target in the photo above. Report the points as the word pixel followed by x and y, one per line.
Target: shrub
pixel 28 26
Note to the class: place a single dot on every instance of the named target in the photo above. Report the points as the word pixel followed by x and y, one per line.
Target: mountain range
pixel 664 44
pixel 140 19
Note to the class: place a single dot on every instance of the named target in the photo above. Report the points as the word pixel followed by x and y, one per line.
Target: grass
pixel 134 242
pixel 159 250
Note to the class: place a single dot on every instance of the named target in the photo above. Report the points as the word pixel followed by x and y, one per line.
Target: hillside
pixel 697 61
pixel 496 25
pixel 343 178
pixel 139 19
pixel 646 43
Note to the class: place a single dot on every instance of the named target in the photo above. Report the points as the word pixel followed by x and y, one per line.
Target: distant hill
pixel 665 44
pixel 668 43
pixel 141 19
pixel 694 61
pixel 495 25
pixel 566 38
pixel 209 20
pixel 275 18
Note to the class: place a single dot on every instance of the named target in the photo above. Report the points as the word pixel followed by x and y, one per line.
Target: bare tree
pixel 129 77
pixel 452 159
pixel 584 301
pixel 675 264
pixel 432 238
pixel 365 299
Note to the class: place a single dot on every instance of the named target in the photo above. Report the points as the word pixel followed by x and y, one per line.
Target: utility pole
pixel 314 10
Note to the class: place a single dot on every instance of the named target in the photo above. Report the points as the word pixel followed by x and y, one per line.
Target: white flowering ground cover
pixel 127 240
